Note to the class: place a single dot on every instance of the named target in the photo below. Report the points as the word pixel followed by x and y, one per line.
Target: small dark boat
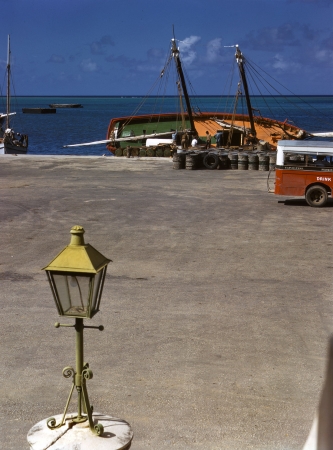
pixel 66 105
pixel 39 110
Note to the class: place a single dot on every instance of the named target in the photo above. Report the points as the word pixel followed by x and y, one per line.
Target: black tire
pixel 316 196
pixel 211 161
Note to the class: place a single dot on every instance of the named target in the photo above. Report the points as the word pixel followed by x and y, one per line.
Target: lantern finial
pixel 77 235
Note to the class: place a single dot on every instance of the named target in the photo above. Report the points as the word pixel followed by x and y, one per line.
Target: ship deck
pixel 267 130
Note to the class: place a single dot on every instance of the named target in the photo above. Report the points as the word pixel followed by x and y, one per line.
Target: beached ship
pixel 11 142
pixel 138 133
pixel 238 130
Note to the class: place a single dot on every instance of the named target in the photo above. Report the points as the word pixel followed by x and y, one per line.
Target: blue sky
pixel 107 47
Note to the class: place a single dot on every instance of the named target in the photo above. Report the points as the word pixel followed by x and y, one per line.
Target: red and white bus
pixel 305 168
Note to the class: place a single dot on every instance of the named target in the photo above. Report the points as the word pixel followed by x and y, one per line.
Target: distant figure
pixel 16 138
pixel 194 142
pixel 322 161
pixel 219 138
pixel 174 137
pixel 112 137
pixel 208 139
pixel 9 135
pixel 185 140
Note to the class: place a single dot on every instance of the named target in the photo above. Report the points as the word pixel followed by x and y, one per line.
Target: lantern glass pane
pixel 97 283
pixel 73 293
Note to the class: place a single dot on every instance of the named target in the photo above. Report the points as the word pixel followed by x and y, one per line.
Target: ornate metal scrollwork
pixel 87 374
pixel 68 372
pixel 52 423
pixel 99 429
pixel 79 376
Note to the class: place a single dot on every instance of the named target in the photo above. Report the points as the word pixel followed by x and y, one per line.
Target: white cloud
pixel 87 65
pixel 188 55
pixel 213 49
pixel 324 55
pixel 280 63
pixel 57 59
pixel 99 47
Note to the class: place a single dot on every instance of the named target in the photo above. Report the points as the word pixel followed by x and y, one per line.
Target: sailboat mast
pixel 239 59
pixel 175 54
pixel 8 83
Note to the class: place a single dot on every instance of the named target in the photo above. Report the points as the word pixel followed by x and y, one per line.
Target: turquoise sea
pixel 48 133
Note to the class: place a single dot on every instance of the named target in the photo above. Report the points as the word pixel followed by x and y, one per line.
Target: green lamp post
pixel 76 276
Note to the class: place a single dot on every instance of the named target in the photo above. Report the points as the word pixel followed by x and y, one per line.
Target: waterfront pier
pixel 217 307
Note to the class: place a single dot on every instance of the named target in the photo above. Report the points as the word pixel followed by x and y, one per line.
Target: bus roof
pixel 312 147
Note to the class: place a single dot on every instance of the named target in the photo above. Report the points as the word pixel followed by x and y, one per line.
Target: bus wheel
pixel 316 196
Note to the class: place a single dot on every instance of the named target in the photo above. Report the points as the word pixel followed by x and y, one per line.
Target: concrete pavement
pixel 217 307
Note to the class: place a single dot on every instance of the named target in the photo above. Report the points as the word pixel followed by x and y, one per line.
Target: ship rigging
pixel 239 128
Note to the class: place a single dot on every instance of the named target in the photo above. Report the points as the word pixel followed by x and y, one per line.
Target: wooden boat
pixel 11 142
pixel 65 105
pixel 39 110
pixel 248 131
pixel 238 130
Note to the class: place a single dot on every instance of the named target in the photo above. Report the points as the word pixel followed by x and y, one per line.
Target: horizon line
pixel 170 96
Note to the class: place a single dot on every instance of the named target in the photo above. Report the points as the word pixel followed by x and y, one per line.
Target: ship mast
pixel 175 54
pixel 182 113
pixel 239 59
pixel 8 83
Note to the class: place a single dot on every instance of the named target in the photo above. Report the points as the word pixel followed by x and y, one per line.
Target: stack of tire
pixel 211 160
pixel 164 150
pixel 223 160
pixel 193 161
pixel 179 160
